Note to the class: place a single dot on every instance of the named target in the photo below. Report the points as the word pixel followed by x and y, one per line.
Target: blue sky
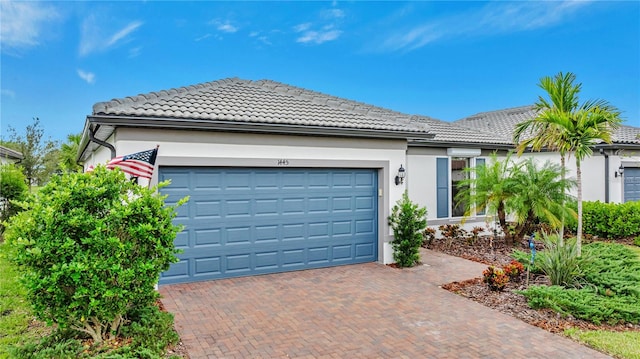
pixel 446 60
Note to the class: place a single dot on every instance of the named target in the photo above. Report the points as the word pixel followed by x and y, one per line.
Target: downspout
pixel 606 175
pixel 102 143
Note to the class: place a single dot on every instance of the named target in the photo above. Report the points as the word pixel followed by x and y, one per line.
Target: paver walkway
pixel 356 311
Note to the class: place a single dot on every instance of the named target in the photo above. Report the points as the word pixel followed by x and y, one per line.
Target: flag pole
pixel 154 166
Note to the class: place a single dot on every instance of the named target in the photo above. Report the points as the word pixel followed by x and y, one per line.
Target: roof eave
pixel 486 145
pixel 618 146
pixel 229 126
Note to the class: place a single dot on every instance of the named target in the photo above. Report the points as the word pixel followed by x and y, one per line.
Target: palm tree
pixel 529 193
pixel 539 193
pixel 487 190
pixel 565 126
pixel 563 101
pixel 69 152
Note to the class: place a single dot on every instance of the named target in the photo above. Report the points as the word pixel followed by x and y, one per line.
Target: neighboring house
pixel 8 155
pixel 282 178
pixel 611 174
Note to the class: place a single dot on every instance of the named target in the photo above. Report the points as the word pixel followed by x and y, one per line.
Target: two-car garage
pixel 247 221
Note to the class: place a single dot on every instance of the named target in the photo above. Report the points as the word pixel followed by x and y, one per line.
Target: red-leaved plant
pixel 495 278
pixel 513 269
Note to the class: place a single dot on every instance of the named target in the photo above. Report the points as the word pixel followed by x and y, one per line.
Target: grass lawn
pixel 17 324
pixel 619 344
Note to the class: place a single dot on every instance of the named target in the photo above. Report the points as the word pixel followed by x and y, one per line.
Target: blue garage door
pixel 631 184
pixel 242 221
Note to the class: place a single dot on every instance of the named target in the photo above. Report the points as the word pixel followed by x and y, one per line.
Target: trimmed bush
pixel 609 220
pixel 92 247
pixel 13 187
pixel 408 221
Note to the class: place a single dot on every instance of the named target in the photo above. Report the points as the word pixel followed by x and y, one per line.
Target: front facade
pixel 282 178
pixel 279 178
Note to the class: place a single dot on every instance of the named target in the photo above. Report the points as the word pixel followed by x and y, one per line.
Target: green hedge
pixel 609 220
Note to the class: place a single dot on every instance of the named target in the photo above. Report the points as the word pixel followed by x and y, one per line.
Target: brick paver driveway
pixel 355 311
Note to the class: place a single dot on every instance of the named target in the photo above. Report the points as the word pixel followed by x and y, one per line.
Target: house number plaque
pixel 283 162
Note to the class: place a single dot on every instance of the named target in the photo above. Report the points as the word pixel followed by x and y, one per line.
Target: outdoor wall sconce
pixel 619 172
pixel 400 176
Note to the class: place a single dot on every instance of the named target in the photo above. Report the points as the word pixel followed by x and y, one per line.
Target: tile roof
pixel 259 102
pixel 503 122
pixel 448 132
pixel 627 134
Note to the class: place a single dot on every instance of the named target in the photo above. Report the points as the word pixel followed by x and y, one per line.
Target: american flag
pixel 139 164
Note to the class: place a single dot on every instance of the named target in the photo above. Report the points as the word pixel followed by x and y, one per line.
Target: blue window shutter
pixel 442 186
pixel 481 162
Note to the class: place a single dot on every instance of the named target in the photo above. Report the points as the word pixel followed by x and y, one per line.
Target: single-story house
pixel 283 178
pixel 8 155
pixel 612 174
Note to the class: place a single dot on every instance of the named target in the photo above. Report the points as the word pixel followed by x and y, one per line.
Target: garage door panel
pixel 342 252
pixel 365 226
pixel 365 180
pixel 207 181
pixel 206 266
pixel 182 240
pixel 364 203
pixel 207 237
pixel 364 250
pixel 178 271
pixel 206 209
pixel 254 221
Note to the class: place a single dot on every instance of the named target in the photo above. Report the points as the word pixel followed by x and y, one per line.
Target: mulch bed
pixel 508 301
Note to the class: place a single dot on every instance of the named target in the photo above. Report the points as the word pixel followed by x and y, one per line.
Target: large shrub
pixel 407 220
pixel 610 220
pixel 92 247
pixel 13 187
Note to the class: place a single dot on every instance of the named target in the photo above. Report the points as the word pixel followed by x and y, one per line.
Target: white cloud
pixel 333 13
pixel 93 38
pixel 8 93
pixel 227 28
pixel 324 30
pixel 493 18
pixel 123 33
pixel 23 23
pixel 318 37
pixel 302 27
pixel 89 77
pixel 200 38
pixel 224 26
pixel 264 40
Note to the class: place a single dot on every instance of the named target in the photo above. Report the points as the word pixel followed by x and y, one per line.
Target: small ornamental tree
pixel 407 220
pixel 13 187
pixel 92 247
